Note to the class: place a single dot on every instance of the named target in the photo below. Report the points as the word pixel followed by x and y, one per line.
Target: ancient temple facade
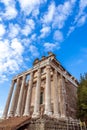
pixel 45 89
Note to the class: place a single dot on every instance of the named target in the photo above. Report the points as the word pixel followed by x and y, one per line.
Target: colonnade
pixel 15 97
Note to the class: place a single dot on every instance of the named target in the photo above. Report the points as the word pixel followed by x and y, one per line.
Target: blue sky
pixel 31 28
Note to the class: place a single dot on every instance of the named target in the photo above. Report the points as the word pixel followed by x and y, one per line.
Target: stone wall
pixel 51 124
pixel 71 98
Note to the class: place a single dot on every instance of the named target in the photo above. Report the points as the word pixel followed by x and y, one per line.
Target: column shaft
pixel 18 110
pixel 28 98
pixel 14 100
pixel 48 110
pixel 37 95
pixel 24 99
pixel 56 103
pixel 8 100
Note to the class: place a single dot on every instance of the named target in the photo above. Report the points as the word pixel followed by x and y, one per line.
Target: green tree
pixel 82 98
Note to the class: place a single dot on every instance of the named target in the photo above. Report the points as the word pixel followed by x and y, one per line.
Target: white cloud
pixel 44 31
pixel 33 37
pixel 17 47
pixel 29 6
pixel 10 13
pixel 3 78
pixel 71 29
pixel 4 49
pixel 57 15
pixel 51 46
pixel 0 19
pixel 34 51
pixel 26 30
pixel 62 13
pixel 29 27
pixel 2 30
pixel 48 17
pixel 80 18
pixel 81 15
pixel 35 12
pixel 14 30
pixel 58 36
pixel 31 23
pixel 27 3
pixel 26 42
pixel 82 7
pixel 6 2
pixel 10 57
pixel 10 9
pixel 83 4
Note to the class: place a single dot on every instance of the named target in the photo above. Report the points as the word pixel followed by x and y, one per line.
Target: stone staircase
pixel 13 123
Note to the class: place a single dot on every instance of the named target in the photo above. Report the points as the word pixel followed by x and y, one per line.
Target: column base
pixel 26 114
pixel 56 115
pixel 17 115
pixel 3 117
pixel 36 115
pixel 48 113
pixel 63 116
pixel 11 115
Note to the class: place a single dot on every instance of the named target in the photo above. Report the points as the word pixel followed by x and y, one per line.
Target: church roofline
pixel 66 70
pixel 52 58
pixel 50 55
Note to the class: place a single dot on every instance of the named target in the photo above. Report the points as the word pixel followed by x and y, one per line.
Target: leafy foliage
pixel 82 98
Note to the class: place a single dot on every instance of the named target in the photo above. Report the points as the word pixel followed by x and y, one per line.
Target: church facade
pixel 45 89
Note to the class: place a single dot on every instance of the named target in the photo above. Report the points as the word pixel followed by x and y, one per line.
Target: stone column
pixel 8 100
pixel 28 98
pixel 36 112
pixel 59 87
pixel 24 99
pixel 56 103
pixel 62 97
pixel 18 110
pixel 14 100
pixel 48 110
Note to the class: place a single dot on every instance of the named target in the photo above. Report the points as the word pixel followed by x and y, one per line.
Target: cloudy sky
pixel 31 28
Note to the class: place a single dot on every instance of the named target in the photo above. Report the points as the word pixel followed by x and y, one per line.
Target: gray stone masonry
pixel 48 123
